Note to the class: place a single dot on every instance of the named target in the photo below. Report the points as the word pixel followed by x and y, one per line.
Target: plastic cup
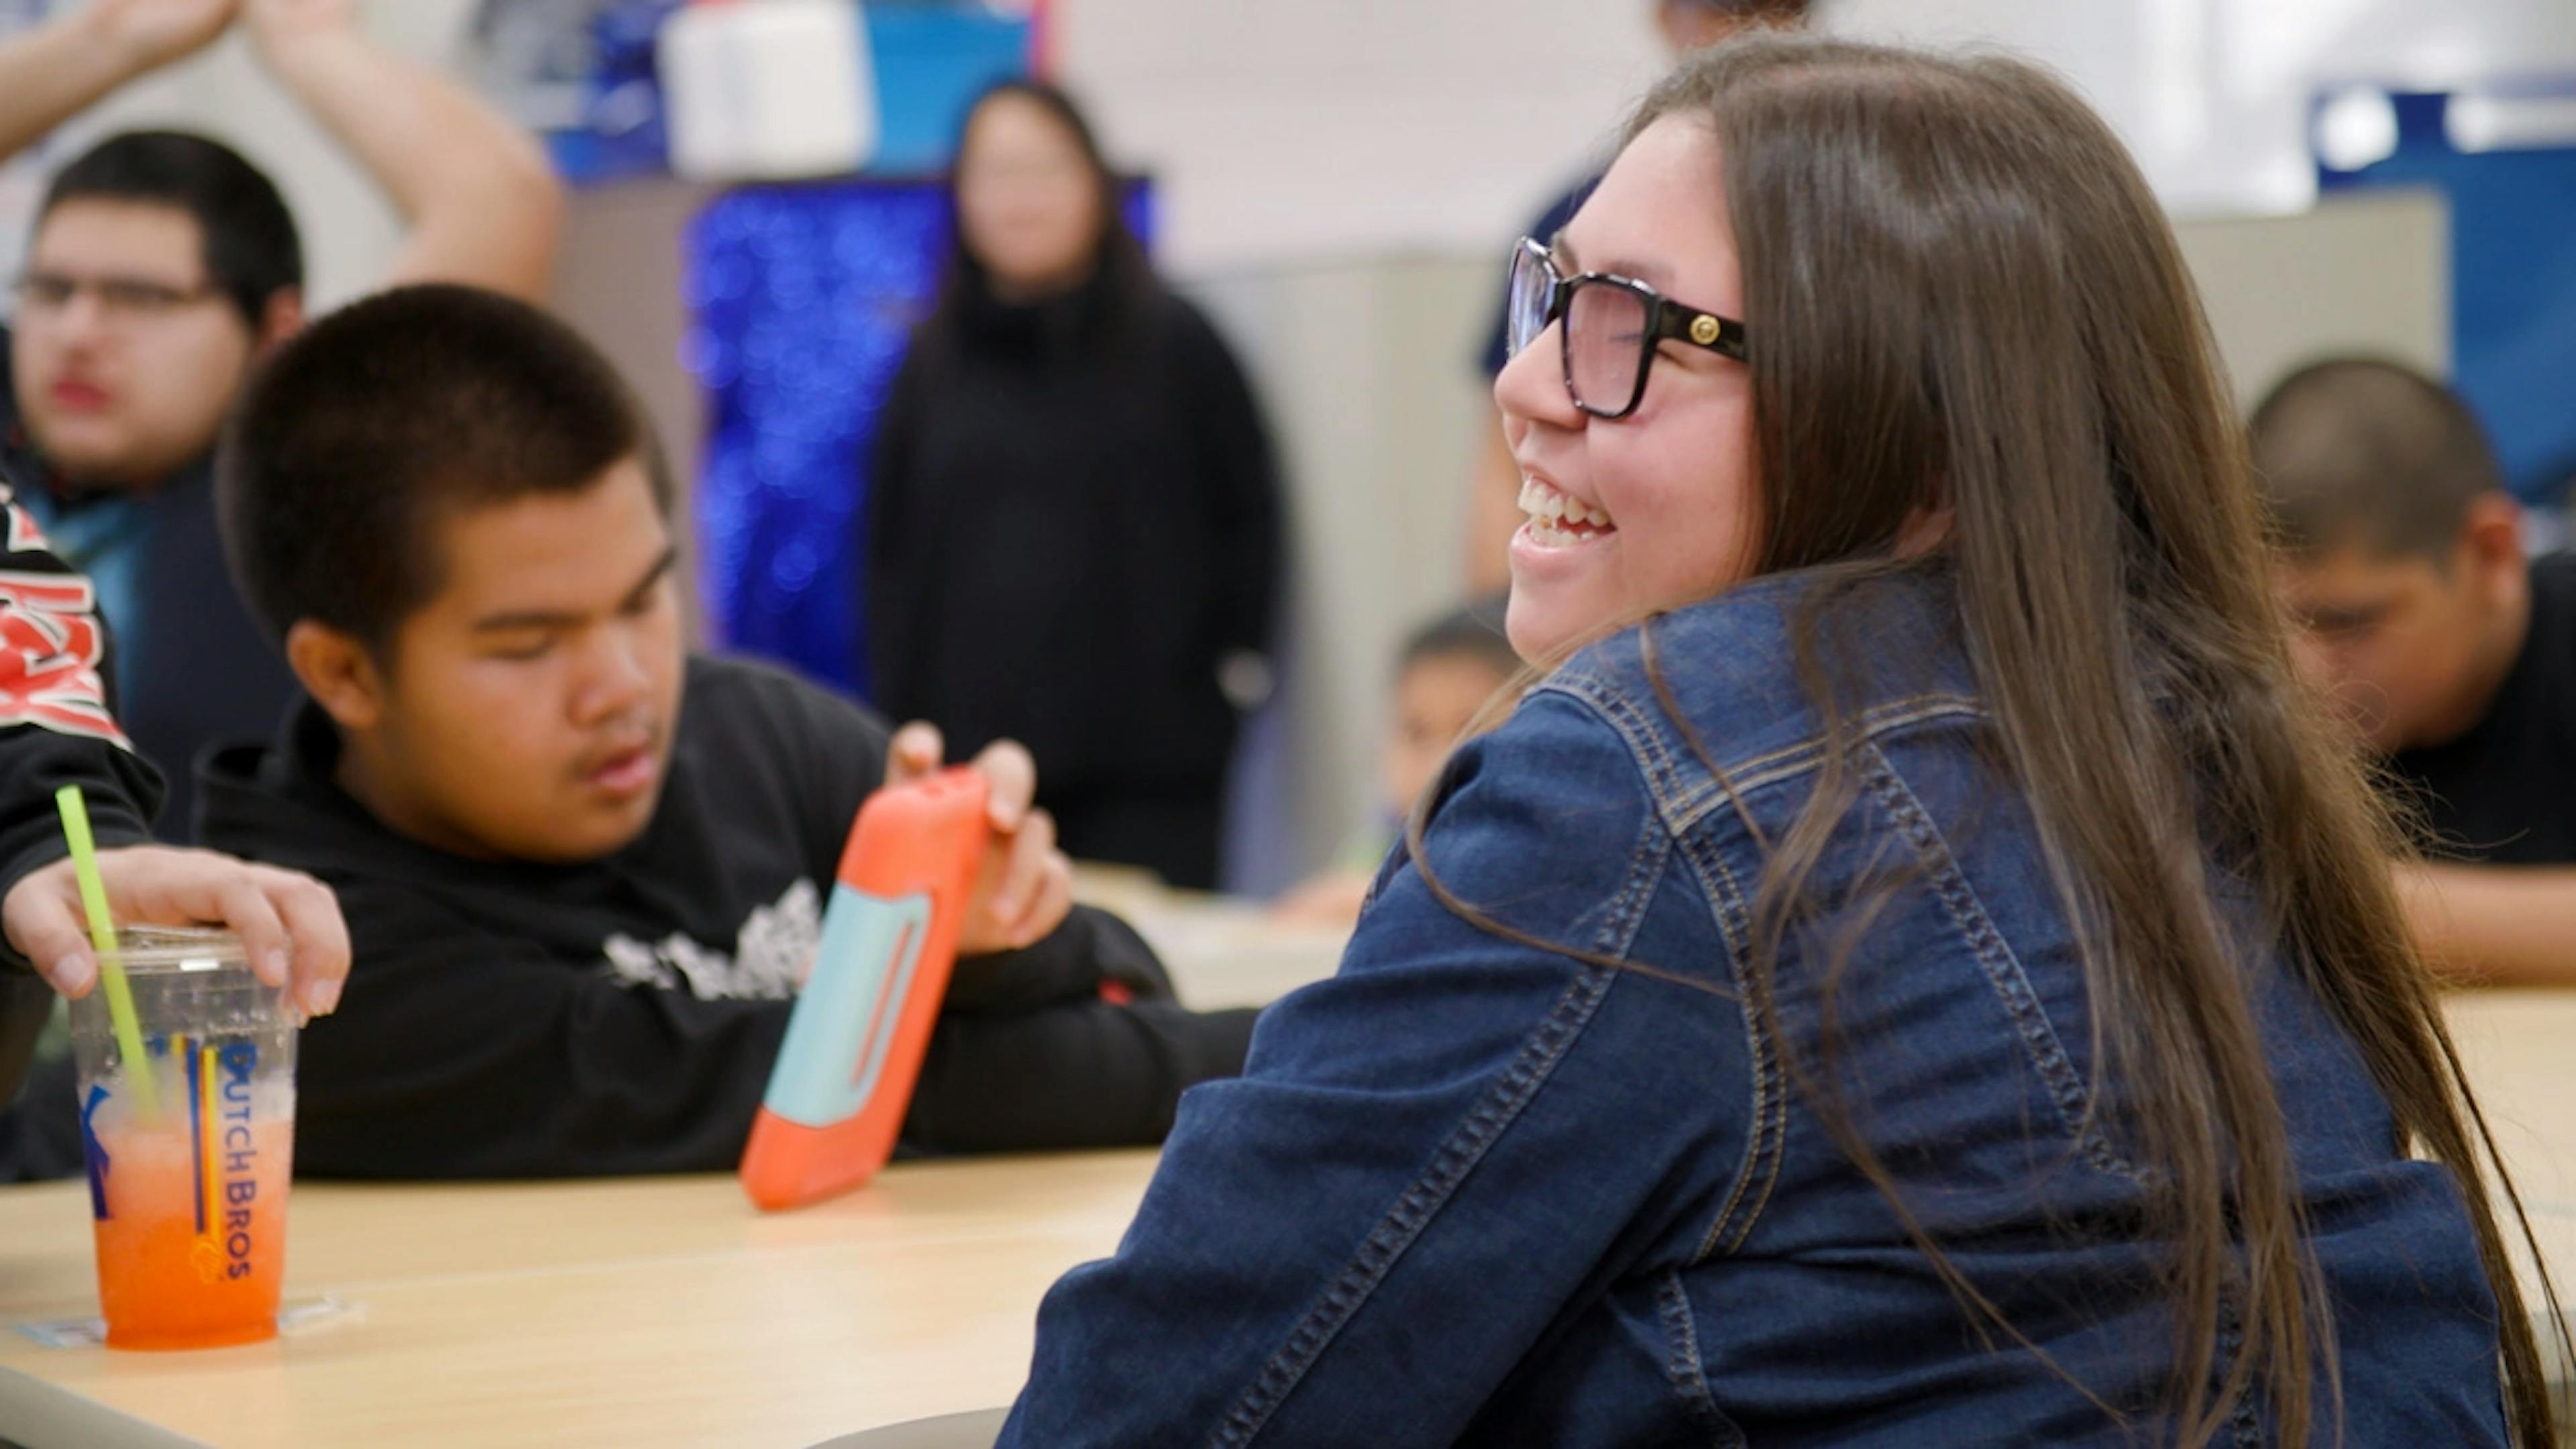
pixel 188 1192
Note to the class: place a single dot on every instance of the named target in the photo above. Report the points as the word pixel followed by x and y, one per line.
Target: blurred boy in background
pixel 1448 671
pixel 2452 654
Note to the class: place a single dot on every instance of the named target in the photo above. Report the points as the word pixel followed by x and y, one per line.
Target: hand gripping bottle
pixel 854 1044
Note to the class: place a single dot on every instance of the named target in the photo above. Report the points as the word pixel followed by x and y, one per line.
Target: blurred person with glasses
pixel 162 267
pixel 1687 27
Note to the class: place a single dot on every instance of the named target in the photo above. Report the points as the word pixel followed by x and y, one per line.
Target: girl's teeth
pixel 1549 510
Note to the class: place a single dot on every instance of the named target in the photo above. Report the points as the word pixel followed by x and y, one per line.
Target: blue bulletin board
pixel 801 300
pixel 2513 270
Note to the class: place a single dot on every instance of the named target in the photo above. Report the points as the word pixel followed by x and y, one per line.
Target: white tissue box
pixel 768 89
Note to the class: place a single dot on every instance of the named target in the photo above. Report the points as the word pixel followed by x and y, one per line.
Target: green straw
pixel 102 936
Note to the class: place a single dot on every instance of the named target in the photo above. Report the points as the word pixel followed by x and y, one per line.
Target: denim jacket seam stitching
pixel 1887 714
pixel 1646 860
pixel 1456 1157
pixel 2245 1423
pixel 1995 957
pixel 1663 776
pixel 1757 1171
pixel 1683 1367
pixel 1779 767
pixel 1686 804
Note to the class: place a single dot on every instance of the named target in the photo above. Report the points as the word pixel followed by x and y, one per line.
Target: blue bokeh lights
pixel 801 299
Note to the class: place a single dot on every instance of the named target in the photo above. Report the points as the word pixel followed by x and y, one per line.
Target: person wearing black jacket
pixel 585 875
pixel 56 729
pixel 1072 519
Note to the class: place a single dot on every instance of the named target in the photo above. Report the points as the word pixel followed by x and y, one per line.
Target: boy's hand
pixel 152 33
pixel 1025 888
pixel 289 922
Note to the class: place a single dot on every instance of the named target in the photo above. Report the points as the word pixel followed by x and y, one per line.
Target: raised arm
pixel 58 69
pixel 482 202
pixel 2494 925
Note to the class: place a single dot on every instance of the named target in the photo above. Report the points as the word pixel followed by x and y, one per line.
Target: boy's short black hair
pixel 2365 452
pixel 355 441
pixel 251 248
pixel 1474 632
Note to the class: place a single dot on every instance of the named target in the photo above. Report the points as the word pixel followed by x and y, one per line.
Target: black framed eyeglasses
pixel 1612 326
pixel 43 294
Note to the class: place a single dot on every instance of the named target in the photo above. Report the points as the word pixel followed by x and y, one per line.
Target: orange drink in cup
pixel 189 1158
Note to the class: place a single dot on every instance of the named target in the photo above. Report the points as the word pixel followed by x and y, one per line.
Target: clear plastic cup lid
pixel 156 949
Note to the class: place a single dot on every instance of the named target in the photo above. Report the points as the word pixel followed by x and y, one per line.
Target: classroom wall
pixel 2213 95
pixel 1269 123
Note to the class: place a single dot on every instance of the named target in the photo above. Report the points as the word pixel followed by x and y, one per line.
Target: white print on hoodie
pixel 769 961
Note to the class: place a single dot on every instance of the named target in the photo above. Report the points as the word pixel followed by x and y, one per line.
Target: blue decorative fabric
pixel 2513 293
pixel 802 299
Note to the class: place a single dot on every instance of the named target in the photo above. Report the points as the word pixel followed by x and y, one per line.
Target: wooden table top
pixel 642 1312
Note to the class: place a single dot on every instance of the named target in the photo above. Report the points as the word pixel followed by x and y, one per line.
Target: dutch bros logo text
pixel 225 1156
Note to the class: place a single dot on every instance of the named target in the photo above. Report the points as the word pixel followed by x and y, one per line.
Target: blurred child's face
pixel 528 709
pixel 1027 203
pixel 1435 699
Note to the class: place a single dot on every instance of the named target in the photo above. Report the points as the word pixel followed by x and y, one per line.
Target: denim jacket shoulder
pixel 1721 687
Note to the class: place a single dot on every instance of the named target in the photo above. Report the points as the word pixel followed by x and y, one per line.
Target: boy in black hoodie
pixel 583 873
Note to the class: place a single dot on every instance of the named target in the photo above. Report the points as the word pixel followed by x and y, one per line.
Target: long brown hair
pixel 1965 303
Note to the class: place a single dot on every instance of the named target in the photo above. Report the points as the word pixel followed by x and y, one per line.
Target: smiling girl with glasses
pixel 1915 969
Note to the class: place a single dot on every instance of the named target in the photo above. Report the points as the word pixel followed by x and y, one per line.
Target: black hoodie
pixel 506 1019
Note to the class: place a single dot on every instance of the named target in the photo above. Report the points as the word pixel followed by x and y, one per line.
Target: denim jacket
pixel 1468 1191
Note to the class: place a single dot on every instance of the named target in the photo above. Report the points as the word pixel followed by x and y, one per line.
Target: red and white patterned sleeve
pixel 53 649
pixel 56 726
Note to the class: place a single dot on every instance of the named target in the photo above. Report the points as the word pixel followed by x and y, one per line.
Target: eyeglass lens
pixel 1605 334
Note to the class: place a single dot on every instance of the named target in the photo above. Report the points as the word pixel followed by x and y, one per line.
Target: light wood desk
pixel 626 1313
pixel 2520 1051
pixel 668 1312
